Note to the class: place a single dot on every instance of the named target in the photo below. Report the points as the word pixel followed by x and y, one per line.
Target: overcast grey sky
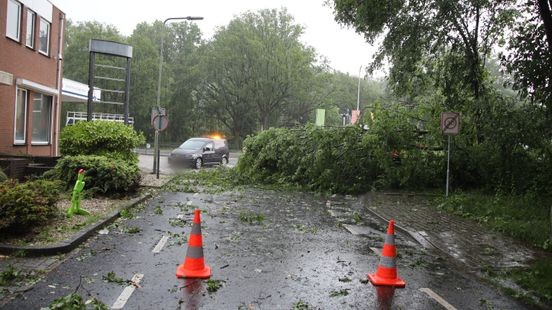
pixel 345 49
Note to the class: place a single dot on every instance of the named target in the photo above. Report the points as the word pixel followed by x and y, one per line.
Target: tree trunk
pixel 264 121
pixel 544 10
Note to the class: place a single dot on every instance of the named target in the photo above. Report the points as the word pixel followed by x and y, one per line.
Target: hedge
pixel 28 204
pixel 100 138
pixel 103 175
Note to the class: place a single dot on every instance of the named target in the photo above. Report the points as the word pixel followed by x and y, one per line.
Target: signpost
pixel 450 125
pixel 159 122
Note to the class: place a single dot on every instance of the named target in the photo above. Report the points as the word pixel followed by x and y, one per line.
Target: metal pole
pixel 448 167
pixel 91 73
pixel 358 94
pixel 160 68
pixel 157 155
pixel 156 142
pixel 127 90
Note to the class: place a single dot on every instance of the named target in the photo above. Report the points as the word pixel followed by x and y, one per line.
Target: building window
pixel 44 37
pixel 42 116
pixel 31 18
pixel 20 117
pixel 13 20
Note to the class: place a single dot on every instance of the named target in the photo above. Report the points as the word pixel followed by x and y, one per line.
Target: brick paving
pixel 463 239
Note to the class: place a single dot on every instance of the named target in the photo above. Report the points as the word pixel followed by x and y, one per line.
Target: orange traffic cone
pixel 387 269
pixel 194 265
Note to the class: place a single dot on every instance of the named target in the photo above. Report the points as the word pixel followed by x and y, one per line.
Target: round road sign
pixel 160 122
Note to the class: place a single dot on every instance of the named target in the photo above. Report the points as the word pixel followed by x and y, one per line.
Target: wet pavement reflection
pixel 384 297
pixel 191 294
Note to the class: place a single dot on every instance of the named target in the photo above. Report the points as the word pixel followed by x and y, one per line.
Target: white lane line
pixel 160 244
pixel 125 295
pixel 438 298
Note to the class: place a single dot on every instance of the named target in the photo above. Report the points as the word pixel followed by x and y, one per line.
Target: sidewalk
pixel 462 239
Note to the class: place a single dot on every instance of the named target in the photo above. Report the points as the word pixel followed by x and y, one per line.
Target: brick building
pixel 31 71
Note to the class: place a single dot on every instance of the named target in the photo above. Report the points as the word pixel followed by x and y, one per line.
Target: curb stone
pixel 77 239
pixel 414 236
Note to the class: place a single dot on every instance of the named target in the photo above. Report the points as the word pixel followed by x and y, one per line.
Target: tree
pixel 417 34
pixel 223 93
pixel 183 77
pixel 253 65
pixel 529 56
pixel 281 60
pixel 145 65
pixel 180 79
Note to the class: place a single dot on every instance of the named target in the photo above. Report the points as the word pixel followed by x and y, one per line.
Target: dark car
pixel 198 152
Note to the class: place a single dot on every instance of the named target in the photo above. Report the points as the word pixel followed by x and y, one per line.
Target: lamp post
pixel 157 154
pixel 358 92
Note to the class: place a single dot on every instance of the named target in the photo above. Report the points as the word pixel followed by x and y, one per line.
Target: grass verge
pixel 536 278
pixel 525 218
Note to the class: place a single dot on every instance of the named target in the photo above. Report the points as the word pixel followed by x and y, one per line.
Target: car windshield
pixel 192 145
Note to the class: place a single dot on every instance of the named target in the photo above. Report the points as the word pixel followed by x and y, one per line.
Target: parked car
pixel 198 152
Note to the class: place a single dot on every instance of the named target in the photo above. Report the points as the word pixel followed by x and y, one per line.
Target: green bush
pixel 27 204
pixel 100 138
pixel 3 176
pixel 103 175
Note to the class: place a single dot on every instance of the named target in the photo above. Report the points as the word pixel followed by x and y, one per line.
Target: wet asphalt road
pixel 299 254
pixel 146 162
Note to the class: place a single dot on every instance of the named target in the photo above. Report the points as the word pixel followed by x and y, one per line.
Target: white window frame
pixel 31 17
pixel 19 9
pixel 50 121
pixel 26 106
pixel 40 47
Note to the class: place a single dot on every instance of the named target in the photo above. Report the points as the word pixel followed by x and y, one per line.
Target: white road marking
pixel 438 298
pixel 160 244
pixel 125 295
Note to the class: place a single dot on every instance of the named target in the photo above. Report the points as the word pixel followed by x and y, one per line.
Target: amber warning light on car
pixel 215 136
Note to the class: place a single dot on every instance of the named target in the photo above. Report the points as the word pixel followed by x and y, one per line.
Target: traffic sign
pixel 160 122
pixel 157 111
pixel 450 123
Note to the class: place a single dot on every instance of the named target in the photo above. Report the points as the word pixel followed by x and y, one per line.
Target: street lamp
pixel 358 93
pixel 156 156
